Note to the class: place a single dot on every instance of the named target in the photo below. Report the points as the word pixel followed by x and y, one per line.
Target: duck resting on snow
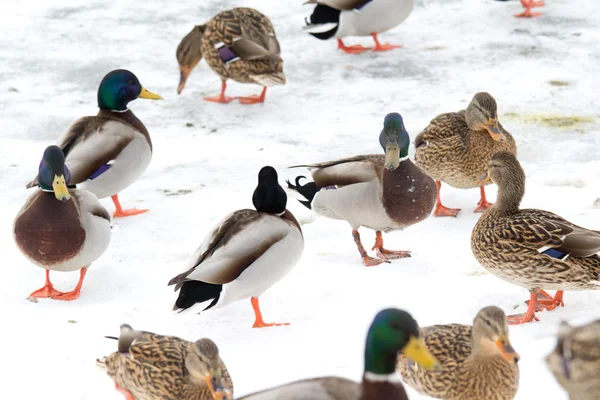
pixel 238 44
pixel 61 229
pixel 245 254
pixel 392 332
pixel 155 367
pixel 343 18
pixel 107 152
pixel 532 248
pixel 456 147
pixel 381 192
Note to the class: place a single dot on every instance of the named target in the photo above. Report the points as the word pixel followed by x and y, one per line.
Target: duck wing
pixel 347 171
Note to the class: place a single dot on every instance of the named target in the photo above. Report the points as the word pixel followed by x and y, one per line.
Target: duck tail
pixel 308 190
pixel 192 292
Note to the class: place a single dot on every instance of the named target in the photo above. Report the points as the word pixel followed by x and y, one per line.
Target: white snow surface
pixel 542 72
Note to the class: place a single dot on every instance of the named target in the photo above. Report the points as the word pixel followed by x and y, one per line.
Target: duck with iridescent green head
pixel 61 229
pixel 381 192
pixel 392 332
pixel 107 152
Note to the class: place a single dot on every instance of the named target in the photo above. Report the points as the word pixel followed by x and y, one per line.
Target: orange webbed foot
pixel 47 291
pixel 128 213
pixel 441 211
pixel 67 296
pixel 386 47
pixel 391 254
pixel 518 319
pixel 220 99
pixel 263 324
pixel 482 206
pixel 356 49
pixel 371 261
pixel 545 302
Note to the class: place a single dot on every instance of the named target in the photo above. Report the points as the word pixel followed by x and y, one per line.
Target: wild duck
pixel 155 367
pixel 108 152
pixel 456 147
pixel 477 362
pixel 575 362
pixel 238 44
pixel 245 254
pixel 528 5
pixel 532 248
pixel 61 229
pixel 343 18
pixel 383 193
pixel 392 331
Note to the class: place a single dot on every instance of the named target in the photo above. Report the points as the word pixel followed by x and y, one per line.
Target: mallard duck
pixel 532 248
pixel 106 153
pixel 575 362
pixel 456 147
pixel 383 193
pixel 477 362
pixel 392 331
pixel 245 254
pixel 61 229
pixel 238 44
pixel 148 366
pixel 342 18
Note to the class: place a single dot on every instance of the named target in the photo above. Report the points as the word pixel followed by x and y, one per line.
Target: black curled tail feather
pixel 308 190
pixel 192 292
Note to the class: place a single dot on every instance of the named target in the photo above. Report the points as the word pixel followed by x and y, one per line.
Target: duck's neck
pixel 127 116
pixel 380 380
pixel 508 199
pixel 389 388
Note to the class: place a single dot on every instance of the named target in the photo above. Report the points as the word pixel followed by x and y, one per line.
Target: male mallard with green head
pixel 575 362
pixel 392 332
pixel 342 18
pixel 106 153
pixel 238 44
pixel 383 193
pixel 532 248
pixel 245 254
pixel 477 362
pixel 456 147
pixel 60 229
pixel 149 366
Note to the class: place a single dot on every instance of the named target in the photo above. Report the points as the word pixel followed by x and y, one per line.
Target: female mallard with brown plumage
pixel 477 362
pixel 383 193
pixel 61 229
pixel 148 366
pixel 392 332
pixel 107 152
pixel 245 254
pixel 238 44
pixel 532 248
pixel 456 147
pixel 575 362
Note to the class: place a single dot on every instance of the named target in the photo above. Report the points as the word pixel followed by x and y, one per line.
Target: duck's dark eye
pixel 130 82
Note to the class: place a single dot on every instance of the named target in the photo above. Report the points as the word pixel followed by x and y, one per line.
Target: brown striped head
pixel 189 54
pixel 490 334
pixel 482 114
pixel 204 366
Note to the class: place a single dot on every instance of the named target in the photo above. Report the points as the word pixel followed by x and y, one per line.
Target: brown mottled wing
pixel 88 144
pixel 347 171
pixel 256 40
pixel 239 240
pixel 326 388
pixel 445 127
pixel 451 345
pixel 339 4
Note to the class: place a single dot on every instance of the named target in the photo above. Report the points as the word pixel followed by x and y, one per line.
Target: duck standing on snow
pixel 155 367
pixel 456 147
pixel 342 18
pixel 575 362
pixel 383 193
pixel 532 248
pixel 529 4
pixel 60 229
pixel 106 153
pixel 238 44
pixel 245 254
pixel 392 332
pixel 477 362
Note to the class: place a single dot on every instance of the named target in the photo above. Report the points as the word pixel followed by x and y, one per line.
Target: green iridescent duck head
pixel 53 174
pixel 394 331
pixel 395 140
pixel 118 88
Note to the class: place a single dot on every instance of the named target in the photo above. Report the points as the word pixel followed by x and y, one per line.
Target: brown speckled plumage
pixel 154 367
pixel 509 241
pixel 472 368
pixel 453 152
pixel 249 34
pixel 575 362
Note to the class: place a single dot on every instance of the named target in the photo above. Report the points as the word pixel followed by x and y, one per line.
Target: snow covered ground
pixel 543 73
